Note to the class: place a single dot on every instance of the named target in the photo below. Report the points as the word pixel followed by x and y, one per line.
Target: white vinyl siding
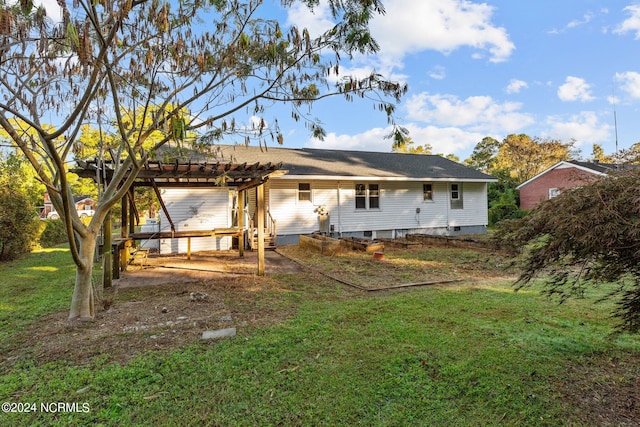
pixel 475 211
pixel 195 209
pixel 294 217
pixel 399 200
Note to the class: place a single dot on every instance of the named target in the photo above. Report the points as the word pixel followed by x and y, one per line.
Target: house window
pixel 374 196
pixel 456 196
pixel 427 192
pixel 304 192
pixel 367 196
pixel 554 192
pixel 455 192
pixel 361 196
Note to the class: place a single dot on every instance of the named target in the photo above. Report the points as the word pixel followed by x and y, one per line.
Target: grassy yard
pixel 470 353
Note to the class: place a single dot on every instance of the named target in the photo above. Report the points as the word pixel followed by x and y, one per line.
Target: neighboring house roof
pixel 312 163
pixel 595 168
pixel 78 199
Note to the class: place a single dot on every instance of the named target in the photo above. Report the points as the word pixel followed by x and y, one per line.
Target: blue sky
pixel 547 68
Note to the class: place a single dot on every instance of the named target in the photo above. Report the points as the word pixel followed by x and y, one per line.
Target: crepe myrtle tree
pixel 136 67
pixel 586 236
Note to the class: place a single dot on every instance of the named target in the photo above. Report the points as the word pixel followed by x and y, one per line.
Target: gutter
pixel 380 178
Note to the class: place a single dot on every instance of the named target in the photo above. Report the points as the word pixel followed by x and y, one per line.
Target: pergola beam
pixel 155 174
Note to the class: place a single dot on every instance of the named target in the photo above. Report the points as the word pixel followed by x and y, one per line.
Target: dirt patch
pixel 606 390
pixel 398 267
pixel 205 265
pixel 156 318
pixel 164 304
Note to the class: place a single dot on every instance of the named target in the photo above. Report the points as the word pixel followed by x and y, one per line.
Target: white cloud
pixel 477 113
pixel 371 140
pixel 316 22
pixel 631 24
pixel 575 89
pixel 630 83
pixel 443 140
pixel 410 26
pixel 438 73
pixel 585 20
pixel 53 9
pixel 584 128
pixel 515 86
pixel 366 67
pixel 441 25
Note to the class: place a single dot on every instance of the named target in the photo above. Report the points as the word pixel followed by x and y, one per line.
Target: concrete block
pixel 219 333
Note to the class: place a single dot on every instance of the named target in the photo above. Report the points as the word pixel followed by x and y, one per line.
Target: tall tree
pixel 484 155
pixel 215 59
pixel 597 154
pixel 525 157
pixel 629 155
pixel 406 145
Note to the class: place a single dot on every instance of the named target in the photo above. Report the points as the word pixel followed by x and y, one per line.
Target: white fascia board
pixel 377 178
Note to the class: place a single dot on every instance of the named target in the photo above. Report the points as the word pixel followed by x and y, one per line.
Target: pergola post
pixel 107 268
pixel 133 212
pixel 241 223
pixel 260 191
pixel 123 249
pixel 124 218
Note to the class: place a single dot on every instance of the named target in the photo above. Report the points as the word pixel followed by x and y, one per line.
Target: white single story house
pixel 340 193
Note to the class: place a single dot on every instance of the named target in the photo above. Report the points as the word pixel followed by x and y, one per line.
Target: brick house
pixel 560 177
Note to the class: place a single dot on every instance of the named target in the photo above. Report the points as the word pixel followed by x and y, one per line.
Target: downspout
pixel 339 213
pixel 448 202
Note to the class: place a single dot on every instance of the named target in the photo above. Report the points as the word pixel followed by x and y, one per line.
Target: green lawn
pixel 470 354
pixel 33 286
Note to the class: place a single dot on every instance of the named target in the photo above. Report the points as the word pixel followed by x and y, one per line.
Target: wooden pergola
pixel 179 174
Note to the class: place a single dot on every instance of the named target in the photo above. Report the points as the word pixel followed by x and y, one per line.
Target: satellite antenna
pixel 615 119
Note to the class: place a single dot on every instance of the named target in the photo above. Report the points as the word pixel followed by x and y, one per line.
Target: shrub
pixel 504 208
pixel 53 233
pixel 19 223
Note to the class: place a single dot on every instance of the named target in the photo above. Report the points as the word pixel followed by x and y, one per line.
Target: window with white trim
pixel 455 193
pixel 554 192
pixel 304 192
pixel 427 192
pixel 374 196
pixel 367 196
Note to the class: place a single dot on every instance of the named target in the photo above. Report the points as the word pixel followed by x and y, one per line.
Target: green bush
pixel 504 207
pixel 19 223
pixel 53 233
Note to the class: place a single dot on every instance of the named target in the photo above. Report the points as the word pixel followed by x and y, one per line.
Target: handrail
pixel 272 227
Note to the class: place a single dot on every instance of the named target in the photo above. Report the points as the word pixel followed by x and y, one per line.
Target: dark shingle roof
pixel 338 163
pixel 80 198
pixel 599 167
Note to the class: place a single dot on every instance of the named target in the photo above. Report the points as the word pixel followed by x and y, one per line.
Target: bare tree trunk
pixel 82 301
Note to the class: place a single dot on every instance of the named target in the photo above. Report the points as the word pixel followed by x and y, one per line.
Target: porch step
pixel 269 241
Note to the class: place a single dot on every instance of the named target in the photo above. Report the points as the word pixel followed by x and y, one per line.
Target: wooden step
pixel 269 241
